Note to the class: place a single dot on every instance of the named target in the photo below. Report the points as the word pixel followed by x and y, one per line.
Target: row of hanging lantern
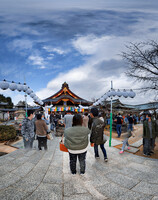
pixel 112 93
pixel 4 85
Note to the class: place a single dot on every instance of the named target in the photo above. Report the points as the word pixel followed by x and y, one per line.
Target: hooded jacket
pixel 97 131
pixel 76 137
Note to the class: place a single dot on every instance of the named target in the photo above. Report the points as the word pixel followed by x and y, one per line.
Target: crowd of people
pixel 79 128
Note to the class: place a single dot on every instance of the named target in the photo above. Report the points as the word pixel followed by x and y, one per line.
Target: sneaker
pixel 97 157
pixel 151 152
pixel 146 154
pixel 121 152
pixel 105 159
pixel 128 148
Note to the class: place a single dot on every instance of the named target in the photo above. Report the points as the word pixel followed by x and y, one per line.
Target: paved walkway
pixel 36 175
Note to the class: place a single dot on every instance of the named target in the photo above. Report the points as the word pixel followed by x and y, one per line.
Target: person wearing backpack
pixel 130 121
pixel 119 121
pixel 97 132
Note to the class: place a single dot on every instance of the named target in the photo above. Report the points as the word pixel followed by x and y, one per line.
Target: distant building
pixel 119 106
pixel 65 99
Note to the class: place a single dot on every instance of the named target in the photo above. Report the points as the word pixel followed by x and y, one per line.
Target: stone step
pixel 137 144
pixel 46 175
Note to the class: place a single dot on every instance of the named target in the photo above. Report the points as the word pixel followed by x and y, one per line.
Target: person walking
pixel 76 141
pixel 119 121
pixel 149 135
pixel 130 121
pixel 52 125
pixel 41 132
pixel 97 133
pixel 125 141
pixel 27 130
pixel 85 120
pixel 68 119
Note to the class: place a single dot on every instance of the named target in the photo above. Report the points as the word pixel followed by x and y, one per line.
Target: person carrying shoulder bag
pixel 76 141
pixel 41 132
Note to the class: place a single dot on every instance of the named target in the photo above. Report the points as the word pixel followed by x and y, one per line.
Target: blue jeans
pixel 102 148
pixel 130 127
pixel 118 129
pixel 125 142
pixel 28 144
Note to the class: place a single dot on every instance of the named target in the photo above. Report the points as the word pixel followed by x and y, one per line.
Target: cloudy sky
pixel 48 42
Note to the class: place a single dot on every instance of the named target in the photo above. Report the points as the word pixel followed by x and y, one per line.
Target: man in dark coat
pixel 97 133
pixel 149 135
pixel 130 121
pixel 119 121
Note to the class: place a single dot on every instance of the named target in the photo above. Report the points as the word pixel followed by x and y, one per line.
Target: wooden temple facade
pixel 65 100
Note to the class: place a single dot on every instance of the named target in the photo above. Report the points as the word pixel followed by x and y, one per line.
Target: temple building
pixel 65 99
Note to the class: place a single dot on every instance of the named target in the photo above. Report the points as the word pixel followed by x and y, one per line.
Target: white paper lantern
pixel 29 91
pixel 41 103
pixel 109 93
pixel 4 85
pixel 19 87
pixel 131 94
pixel 25 87
pixel 35 98
pixel 32 95
pixel 97 103
pixel 37 101
pixel 105 97
pixel 113 92
pixel 119 93
pixel 12 86
pixel 101 99
pixel 125 93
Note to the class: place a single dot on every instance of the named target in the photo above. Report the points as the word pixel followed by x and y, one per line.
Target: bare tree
pixel 142 59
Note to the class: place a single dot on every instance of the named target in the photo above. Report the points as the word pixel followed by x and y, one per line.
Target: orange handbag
pixel 92 144
pixel 62 147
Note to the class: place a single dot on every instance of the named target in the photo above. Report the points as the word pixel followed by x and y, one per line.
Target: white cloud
pixel 42 67
pixel 88 45
pixel 22 44
pixel 55 50
pixel 107 47
pixel 36 60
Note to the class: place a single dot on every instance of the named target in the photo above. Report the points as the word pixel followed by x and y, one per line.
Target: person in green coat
pixel 149 135
pixel 76 141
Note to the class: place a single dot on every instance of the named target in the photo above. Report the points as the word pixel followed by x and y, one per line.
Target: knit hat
pixel 94 111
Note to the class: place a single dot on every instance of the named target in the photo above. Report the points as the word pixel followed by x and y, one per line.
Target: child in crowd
pixel 125 141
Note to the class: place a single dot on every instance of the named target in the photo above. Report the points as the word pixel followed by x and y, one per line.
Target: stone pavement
pixel 36 175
